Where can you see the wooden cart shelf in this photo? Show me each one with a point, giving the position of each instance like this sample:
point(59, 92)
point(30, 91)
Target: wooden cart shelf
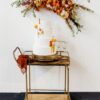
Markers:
point(48, 97)
point(62, 62)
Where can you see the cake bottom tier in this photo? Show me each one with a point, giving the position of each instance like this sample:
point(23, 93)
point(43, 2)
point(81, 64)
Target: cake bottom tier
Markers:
point(44, 51)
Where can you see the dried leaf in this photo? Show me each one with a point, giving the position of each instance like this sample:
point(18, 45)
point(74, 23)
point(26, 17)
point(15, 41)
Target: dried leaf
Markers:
point(83, 7)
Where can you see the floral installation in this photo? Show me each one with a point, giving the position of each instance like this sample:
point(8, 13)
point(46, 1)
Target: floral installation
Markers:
point(67, 9)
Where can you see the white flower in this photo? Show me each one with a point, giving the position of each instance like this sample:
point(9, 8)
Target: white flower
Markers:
point(64, 14)
point(49, 6)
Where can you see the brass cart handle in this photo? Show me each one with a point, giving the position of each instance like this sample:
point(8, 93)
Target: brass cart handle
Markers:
point(14, 53)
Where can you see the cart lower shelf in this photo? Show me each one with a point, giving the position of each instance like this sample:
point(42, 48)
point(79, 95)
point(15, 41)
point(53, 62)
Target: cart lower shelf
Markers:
point(48, 97)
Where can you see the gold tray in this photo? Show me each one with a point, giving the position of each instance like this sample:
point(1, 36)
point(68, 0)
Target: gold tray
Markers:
point(47, 58)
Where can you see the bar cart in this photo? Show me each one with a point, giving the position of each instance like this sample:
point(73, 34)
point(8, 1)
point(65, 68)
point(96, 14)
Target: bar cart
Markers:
point(63, 62)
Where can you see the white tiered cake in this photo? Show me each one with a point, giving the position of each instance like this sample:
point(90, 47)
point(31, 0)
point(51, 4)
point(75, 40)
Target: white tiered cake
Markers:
point(44, 41)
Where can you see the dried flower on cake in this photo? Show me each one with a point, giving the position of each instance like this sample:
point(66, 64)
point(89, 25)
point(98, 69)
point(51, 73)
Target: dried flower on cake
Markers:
point(40, 31)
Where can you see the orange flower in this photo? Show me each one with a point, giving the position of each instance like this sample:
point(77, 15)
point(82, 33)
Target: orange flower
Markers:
point(36, 26)
point(52, 44)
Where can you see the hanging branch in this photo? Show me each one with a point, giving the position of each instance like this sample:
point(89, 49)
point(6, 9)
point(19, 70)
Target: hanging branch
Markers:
point(88, 0)
point(25, 11)
point(83, 7)
point(78, 26)
point(18, 3)
point(70, 26)
point(33, 13)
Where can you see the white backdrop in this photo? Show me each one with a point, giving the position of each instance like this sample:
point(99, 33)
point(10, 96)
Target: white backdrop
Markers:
point(84, 50)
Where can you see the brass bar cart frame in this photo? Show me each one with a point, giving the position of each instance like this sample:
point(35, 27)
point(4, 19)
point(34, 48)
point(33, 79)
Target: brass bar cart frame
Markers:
point(64, 62)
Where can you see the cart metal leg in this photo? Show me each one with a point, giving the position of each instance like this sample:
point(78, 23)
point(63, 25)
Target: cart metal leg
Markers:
point(66, 91)
point(68, 82)
point(26, 95)
point(29, 78)
point(65, 81)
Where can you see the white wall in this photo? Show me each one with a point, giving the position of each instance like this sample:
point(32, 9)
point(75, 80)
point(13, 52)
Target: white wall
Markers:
point(84, 51)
